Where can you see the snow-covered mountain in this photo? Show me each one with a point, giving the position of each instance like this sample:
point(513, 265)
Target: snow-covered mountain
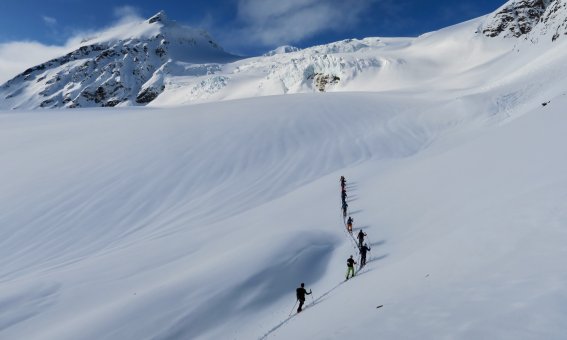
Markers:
point(160, 62)
point(125, 65)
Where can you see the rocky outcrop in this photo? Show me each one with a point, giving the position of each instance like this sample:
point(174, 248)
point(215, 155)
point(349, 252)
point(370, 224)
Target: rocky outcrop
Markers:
point(515, 18)
point(553, 23)
point(532, 20)
point(321, 80)
point(148, 94)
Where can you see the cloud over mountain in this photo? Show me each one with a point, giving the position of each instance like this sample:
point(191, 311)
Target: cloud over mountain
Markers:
point(16, 56)
point(274, 22)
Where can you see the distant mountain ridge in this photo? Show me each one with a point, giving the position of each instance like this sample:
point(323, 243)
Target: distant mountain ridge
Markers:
point(164, 63)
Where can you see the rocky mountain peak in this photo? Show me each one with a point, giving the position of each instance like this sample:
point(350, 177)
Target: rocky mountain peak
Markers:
point(158, 17)
point(126, 64)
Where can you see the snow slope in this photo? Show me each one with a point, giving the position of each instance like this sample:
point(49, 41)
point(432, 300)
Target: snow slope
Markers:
point(145, 223)
point(199, 221)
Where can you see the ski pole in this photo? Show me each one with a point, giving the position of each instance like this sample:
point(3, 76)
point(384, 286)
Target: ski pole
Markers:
point(293, 308)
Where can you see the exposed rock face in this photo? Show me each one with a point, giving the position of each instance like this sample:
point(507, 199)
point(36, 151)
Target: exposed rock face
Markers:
point(530, 19)
point(110, 71)
point(553, 23)
point(159, 17)
point(515, 18)
point(149, 94)
point(321, 80)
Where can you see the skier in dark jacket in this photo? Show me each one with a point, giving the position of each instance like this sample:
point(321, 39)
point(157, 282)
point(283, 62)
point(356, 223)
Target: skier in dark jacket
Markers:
point(343, 182)
point(345, 207)
point(363, 250)
point(360, 236)
point(350, 267)
point(349, 224)
point(343, 196)
point(301, 292)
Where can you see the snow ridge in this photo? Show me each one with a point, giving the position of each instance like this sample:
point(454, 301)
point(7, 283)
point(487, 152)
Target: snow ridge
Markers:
point(282, 50)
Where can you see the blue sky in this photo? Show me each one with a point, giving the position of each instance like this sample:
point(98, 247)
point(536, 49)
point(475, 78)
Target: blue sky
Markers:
point(55, 21)
point(246, 27)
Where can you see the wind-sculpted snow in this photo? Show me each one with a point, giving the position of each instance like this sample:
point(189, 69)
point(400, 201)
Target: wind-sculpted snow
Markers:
point(20, 304)
point(306, 257)
point(164, 224)
point(264, 138)
point(151, 221)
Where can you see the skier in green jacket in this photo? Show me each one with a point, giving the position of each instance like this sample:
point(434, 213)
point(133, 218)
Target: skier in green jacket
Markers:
point(350, 267)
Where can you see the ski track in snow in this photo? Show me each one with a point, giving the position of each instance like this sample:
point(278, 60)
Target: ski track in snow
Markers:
point(307, 306)
point(324, 295)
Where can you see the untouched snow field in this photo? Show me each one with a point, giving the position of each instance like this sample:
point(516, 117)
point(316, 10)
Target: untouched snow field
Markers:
point(199, 221)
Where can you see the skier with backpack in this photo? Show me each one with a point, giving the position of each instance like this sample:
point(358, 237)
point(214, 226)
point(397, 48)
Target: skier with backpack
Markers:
point(300, 293)
point(360, 236)
point(349, 224)
point(343, 182)
point(350, 267)
point(345, 207)
point(363, 250)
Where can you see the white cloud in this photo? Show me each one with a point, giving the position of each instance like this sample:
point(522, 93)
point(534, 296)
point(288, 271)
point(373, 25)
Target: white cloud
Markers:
point(127, 14)
point(17, 56)
point(275, 22)
point(49, 21)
